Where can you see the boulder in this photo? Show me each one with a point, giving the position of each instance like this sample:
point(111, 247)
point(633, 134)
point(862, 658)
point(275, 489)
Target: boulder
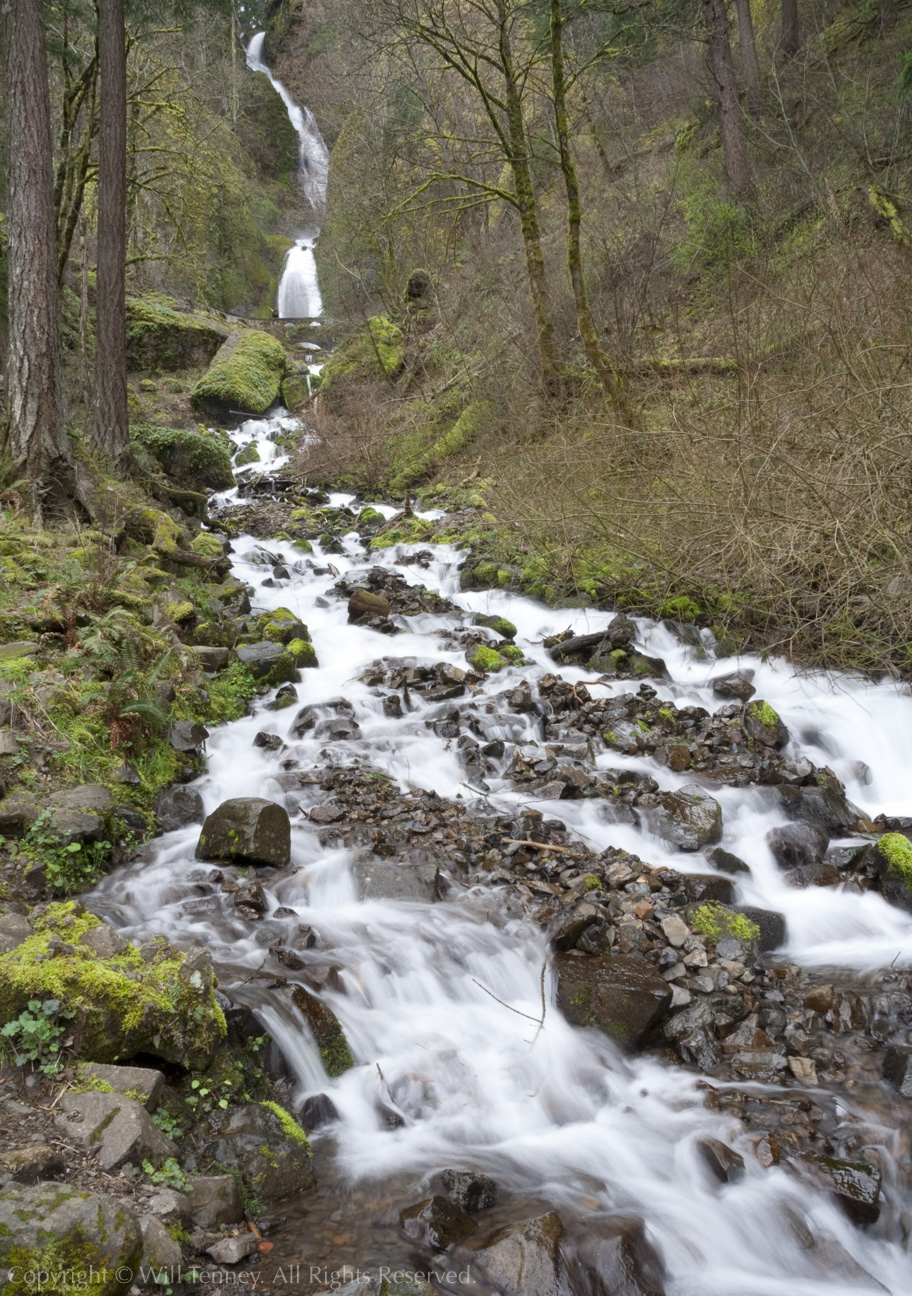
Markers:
point(797, 844)
point(500, 625)
point(762, 723)
point(14, 929)
point(310, 716)
point(176, 807)
point(245, 375)
point(726, 862)
point(211, 658)
point(214, 1200)
point(824, 805)
point(687, 818)
point(614, 1258)
point(81, 1230)
point(327, 1031)
point(364, 604)
point(161, 337)
point(318, 1110)
point(771, 924)
point(473, 1191)
point(233, 1249)
point(723, 1162)
point(270, 664)
point(140, 1083)
point(118, 1129)
point(196, 460)
point(524, 1259)
point(437, 1223)
point(889, 862)
point(897, 1068)
point(854, 1185)
point(160, 1250)
point(281, 626)
point(248, 829)
point(188, 735)
point(269, 1151)
point(735, 686)
point(623, 995)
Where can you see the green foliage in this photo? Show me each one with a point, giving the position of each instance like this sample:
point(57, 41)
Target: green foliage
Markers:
point(68, 868)
point(169, 1175)
point(230, 692)
point(681, 608)
point(485, 660)
point(377, 347)
point(716, 922)
point(198, 460)
point(38, 1034)
point(245, 375)
point(718, 230)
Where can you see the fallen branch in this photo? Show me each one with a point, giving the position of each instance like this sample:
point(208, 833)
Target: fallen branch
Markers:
point(542, 846)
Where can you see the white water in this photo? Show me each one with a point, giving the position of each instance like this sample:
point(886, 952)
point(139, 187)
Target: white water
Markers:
point(558, 1113)
point(299, 288)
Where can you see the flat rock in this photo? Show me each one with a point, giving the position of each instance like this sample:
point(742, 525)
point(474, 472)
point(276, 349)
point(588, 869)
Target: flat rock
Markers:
point(140, 1083)
point(214, 1200)
point(687, 818)
point(271, 663)
point(118, 1128)
point(211, 658)
point(384, 880)
point(232, 1250)
point(14, 929)
point(615, 1258)
point(855, 1185)
point(624, 996)
point(19, 648)
point(249, 829)
point(188, 735)
point(473, 1191)
point(524, 1259)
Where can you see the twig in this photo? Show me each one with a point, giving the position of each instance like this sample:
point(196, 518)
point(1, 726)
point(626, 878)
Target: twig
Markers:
point(252, 974)
point(542, 846)
point(538, 1021)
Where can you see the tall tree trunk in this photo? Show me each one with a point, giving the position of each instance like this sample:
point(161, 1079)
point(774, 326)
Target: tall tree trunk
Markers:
point(749, 58)
point(790, 38)
point(588, 334)
point(528, 215)
point(112, 426)
point(734, 145)
point(37, 433)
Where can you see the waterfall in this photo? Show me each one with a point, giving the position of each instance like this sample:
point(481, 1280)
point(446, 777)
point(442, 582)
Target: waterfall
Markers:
point(299, 288)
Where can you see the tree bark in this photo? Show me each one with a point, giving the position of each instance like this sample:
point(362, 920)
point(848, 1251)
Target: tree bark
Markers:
point(112, 426)
point(749, 60)
point(790, 38)
point(734, 146)
point(37, 433)
point(587, 330)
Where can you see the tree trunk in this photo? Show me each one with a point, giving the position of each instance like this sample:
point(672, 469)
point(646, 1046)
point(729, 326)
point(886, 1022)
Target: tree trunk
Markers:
point(37, 433)
point(112, 427)
point(749, 58)
point(528, 216)
point(734, 145)
point(790, 38)
point(588, 334)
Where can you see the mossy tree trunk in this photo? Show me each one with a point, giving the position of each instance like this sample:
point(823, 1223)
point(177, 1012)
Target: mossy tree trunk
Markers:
point(112, 426)
point(734, 145)
point(37, 433)
point(588, 335)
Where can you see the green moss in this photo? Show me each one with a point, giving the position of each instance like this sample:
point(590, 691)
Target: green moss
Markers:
point(162, 337)
point(510, 652)
point(179, 611)
point(591, 882)
point(897, 851)
point(245, 375)
point(290, 1127)
point(304, 653)
point(125, 1004)
point(764, 714)
point(197, 460)
point(484, 659)
point(281, 626)
point(207, 545)
point(379, 346)
point(406, 531)
point(716, 922)
point(250, 454)
point(500, 625)
point(230, 692)
point(680, 609)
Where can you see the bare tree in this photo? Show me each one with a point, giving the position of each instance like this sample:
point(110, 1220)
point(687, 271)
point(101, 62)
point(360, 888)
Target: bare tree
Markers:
point(790, 38)
point(37, 433)
point(749, 60)
point(734, 145)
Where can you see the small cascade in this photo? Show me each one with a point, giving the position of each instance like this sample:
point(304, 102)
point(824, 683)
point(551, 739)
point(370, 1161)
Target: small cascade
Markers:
point(299, 287)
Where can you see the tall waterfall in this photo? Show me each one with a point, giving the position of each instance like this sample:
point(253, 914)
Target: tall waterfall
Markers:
point(299, 288)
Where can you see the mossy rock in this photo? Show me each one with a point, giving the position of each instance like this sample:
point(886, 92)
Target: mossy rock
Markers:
point(207, 545)
point(500, 625)
point(152, 1000)
point(161, 337)
point(281, 626)
point(244, 377)
point(198, 461)
point(378, 347)
point(249, 455)
point(304, 653)
point(295, 391)
point(484, 659)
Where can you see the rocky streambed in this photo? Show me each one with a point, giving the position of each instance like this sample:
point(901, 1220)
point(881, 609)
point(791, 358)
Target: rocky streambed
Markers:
point(581, 956)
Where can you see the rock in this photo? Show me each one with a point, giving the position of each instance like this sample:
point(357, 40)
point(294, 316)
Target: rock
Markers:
point(318, 1110)
point(473, 1192)
point(384, 880)
point(9, 743)
point(570, 927)
point(211, 659)
point(364, 603)
point(88, 1231)
point(736, 686)
point(796, 844)
point(188, 736)
point(214, 1201)
point(141, 1083)
point(726, 862)
point(762, 723)
point(285, 697)
point(19, 648)
point(326, 814)
point(676, 930)
point(615, 1258)
point(437, 1222)
point(269, 663)
point(245, 375)
point(328, 1034)
point(117, 1128)
point(160, 1251)
point(889, 862)
point(897, 1068)
point(804, 1070)
point(271, 1154)
point(309, 717)
point(687, 818)
point(500, 625)
point(164, 339)
point(179, 806)
point(771, 924)
point(232, 1250)
point(524, 1259)
point(14, 929)
point(248, 829)
point(104, 941)
point(721, 1160)
point(170, 1206)
point(35, 1161)
point(855, 1185)
point(622, 995)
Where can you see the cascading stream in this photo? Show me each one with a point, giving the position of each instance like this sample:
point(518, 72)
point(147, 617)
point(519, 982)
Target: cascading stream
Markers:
point(557, 1112)
point(299, 288)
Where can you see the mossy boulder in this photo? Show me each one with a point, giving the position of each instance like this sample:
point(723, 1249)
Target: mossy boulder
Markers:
point(207, 545)
point(53, 1236)
point(622, 995)
point(264, 1145)
point(304, 653)
point(484, 659)
point(328, 1034)
point(889, 862)
point(198, 460)
point(161, 337)
point(150, 999)
point(249, 455)
point(295, 390)
point(378, 347)
point(244, 377)
point(500, 625)
point(270, 664)
point(250, 830)
point(281, 626)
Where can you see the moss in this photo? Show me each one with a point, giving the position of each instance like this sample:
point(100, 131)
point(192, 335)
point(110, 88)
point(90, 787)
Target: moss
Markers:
point(290, 1127)
point(245, 375)
point(304, 653)
point(124, 1004)
point(249, 455)
point(897, 851)
point(198, 460)
point(406, 531)
point(716, 922)
point(281, 626)
point(207, 545)
point(591, 882)
point(379, 346)
point(680, 609)
point(500, 625)
point(484, 659)
point(510, 652)
point(161, 337)
point(764, 714)
point(179, 610)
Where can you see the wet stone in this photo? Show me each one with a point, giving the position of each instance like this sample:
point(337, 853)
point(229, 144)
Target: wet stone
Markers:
point(615, 1258)
point(249, 829)
point(473, 1192)
point(177, 807)
point(437, 1222)
point(721, 1160)
point(623, 995)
